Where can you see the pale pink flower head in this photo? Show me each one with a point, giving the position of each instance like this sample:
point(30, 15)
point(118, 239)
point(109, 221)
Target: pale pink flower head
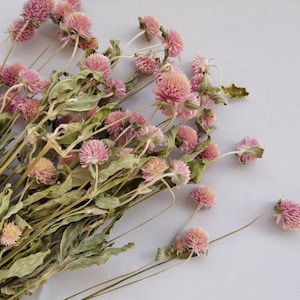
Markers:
point(115, 122)
point(29, 109)
point(69, 159)
point(208, 117)
point(93, 152)
point(249, 149)
point(37, 11)
point(154, 169)
point(21, 31)
point(287, 214)
point(146, 64)
point(200, 64)
point(181, 172)
point(32, 81)
point(151, 27)
point(153, 136)
point(78, 24)
point(98, 62)
point(124, 151)
point(184, 109)
point(137, 119)
point(197, 240)
point(11, 234)
point(211, 152)
point(174, 43)
point(195, 81)
point(186, 138)
point(88, 44)
point(43, 171)
point(173, 87)
point(62, 9)
point(180, 245)
point(117, 87)
point(12, 102)
point(204, 196)
point(75, 3)
point(9, 74)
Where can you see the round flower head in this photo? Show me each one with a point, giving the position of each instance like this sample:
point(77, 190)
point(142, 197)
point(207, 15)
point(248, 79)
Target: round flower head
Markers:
point(114, 122)
point(29, 109)
point(181, 172)
point(9, 74)
point(37, 11)
point(62, 9)
point(208, 117)
point(180, 245)
point(93, 152)
point(187, 138)
point(174, 43)
point(150, 25)
point(287, 214)
point(204, 196)
point(32, 81)
point(211, 152)
point(152, 134)
point(154, 169)
point(98, 62)
point(11, 233)
point(75, 3)
point(195, 81)
point(200, 64)
point(249, 149)
point(21, 31)
point(44, 171)
point(88, 44)
point(115, 86)
point(146, 64)
point(197, 240)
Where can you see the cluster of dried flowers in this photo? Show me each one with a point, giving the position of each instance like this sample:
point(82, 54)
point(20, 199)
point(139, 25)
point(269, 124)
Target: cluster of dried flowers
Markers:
point(84, 157)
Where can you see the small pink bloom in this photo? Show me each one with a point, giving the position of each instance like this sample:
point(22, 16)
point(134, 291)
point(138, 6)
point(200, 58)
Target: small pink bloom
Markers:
point(287, 214)
point(184, 111)
point(37, 11)
point(146, 64)
point(187, 138)
point(117, 87)
point(98, 62)
point(208, 117)
point(150, 25)
point(11, 233)
point(204, 196)
point(68, 160)
point(88, 44)
point(75, 3)
point(114, 122)
point(200, 64)
point(174, 44)
point(180, 245)
point(195, 81)
point(21, 31)
point(12, 102)
point(93, 152)
point(9, 74)
point(197, 240)
point(62, 9)
point(211, 152)
point(29, 109)
point(32, 81)
point(137, 119)
point(154, 169)
point(124, 151)
point(44, 171)
point(181, 172)
point(152, 134)
point(249, 150)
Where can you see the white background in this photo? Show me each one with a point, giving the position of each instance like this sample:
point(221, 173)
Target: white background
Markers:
point(256, 43)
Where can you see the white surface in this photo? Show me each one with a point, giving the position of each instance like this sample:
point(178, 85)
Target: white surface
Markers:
point(257, 45)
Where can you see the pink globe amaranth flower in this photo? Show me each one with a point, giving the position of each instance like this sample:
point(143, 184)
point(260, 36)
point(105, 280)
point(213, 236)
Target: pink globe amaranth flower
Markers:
point(75, 3)
point(180, 245)
point(249, 149)
point(37, 11)
point(287, 214)
point(204, 196)
point(150, 25)
point(43, 171)
point(153, 135)
point(12, 101)
point(32, 81)
point(154, 169)
point(137, 119)
point(11, 234)
point(21, 30)
point(115, 122)
point(181, 172)
point(62, 9)
point(174, 43)
point(200, 64)
point(124, 151)
point(117, 87)
point(98, 62)
point(187, 138)
point(9, 74)
point(197, 240)
point(146, 64)
point(211, 152)
point(88, 44)
point(78, 23)
point(173, 87)
point(195, 81)
point(184, 111)
point(93, 152)
point(29, 109)
point(68, 160)
point(208, 117)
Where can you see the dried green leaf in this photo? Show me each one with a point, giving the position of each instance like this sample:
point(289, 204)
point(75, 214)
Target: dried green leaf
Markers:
point(5, 196)
point(197, 168)
point(107, 202)
point(234, 91)
point(166, 253)
point(80, 176)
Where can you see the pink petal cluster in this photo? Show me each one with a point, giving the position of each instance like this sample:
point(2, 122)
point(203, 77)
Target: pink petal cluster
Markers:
point(200, 64)
point(137, 119)
point(186, 138)
point(150, 25)
point(21, 30)
point(249, 149)
point(62, 9)
point(204, 196)
point(75, 3)
point(92, 152)
point(152, 134)
point(287, 214)
point(146, 64)
point(114, 122)
point(11, 233)
point(174, 43)
point(98, 62)
point(29, 109)
point(43, 171)
point(32, 81)
point(117, 87)
point(195, 81)
point(154, 169)
point(208, 117)
point(211, 152)
point(37, 11)
point(9, 74)
point(197, 240)
point(181, 172)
